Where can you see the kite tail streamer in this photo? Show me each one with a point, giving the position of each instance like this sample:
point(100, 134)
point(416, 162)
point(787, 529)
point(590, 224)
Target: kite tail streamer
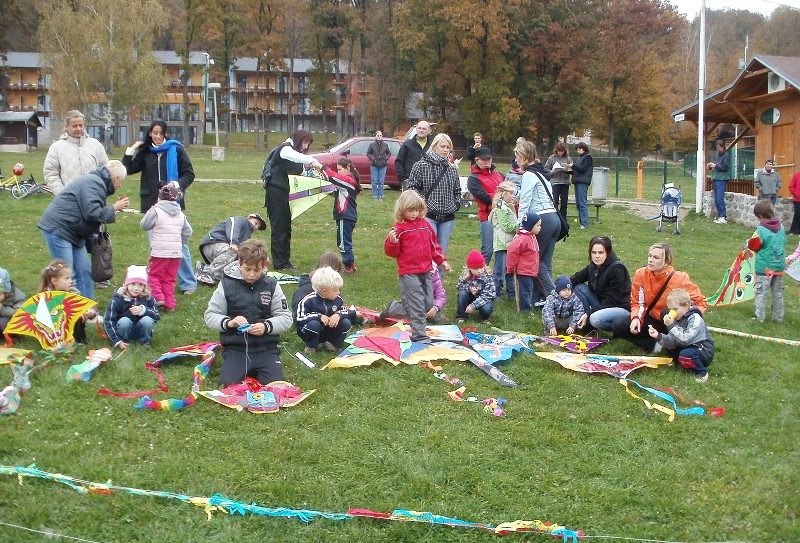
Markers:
point(664, 396)
point(219, 503)
point(792, 342)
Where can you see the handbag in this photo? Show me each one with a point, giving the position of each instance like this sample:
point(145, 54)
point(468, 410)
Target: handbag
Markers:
point(563, 233)
point(102, 264)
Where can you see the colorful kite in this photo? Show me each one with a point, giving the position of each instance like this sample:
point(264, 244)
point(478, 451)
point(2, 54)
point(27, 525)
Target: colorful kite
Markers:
point(670, 412)
point(284, 278)
point(497, 348)
point(306, 191)
point(257, 398)
point(83, 371)
point(479, 362)
point(50, 317)
point(10, 396)
point(738, 282)
point(616, 366)
point(793, 270)
point(203, 350)
point(218, 503)
point(574, 343)
point(392, 344)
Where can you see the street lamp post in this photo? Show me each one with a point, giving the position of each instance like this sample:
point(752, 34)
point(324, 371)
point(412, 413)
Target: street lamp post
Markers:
point(217, 152)
point(209, 62)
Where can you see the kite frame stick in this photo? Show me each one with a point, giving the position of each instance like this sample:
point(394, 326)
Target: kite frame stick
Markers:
point(792, 342)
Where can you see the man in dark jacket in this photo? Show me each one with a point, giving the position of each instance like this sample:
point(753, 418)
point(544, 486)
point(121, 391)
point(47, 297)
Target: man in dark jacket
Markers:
point(221, 244)
point(411, 151)
point(77, 213)
point(378, 155)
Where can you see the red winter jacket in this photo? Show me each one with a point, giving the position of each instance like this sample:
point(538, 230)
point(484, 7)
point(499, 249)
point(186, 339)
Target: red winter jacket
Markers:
point(522, 255)
point(416, 247)
point(482, 184)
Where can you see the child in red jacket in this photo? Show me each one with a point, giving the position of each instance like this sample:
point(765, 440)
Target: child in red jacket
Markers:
point(522, 260)
point(413, 243)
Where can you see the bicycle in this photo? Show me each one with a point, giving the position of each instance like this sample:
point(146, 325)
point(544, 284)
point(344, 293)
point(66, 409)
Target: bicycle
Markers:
point(22, 188)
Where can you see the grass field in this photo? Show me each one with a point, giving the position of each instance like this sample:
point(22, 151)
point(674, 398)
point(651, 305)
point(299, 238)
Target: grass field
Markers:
point(574, 449)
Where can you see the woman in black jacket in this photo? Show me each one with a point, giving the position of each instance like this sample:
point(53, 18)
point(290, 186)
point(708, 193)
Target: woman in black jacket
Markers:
point(582, 171)
point(162, 162)
point(604, 286)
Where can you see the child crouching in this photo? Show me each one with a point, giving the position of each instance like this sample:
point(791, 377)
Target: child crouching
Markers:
point(562, 309)
point(247, 296)
point(322, 318)
point(475, 289)
point(688, 339)
point(132, 312)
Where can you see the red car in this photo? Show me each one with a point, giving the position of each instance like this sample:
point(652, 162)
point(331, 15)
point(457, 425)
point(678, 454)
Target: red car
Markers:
point(356, 150)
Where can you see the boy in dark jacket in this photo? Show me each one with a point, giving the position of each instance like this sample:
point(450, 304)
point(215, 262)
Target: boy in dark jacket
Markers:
point(322, 317)
point(250, 312)
point(221, 243)
point(688, 339)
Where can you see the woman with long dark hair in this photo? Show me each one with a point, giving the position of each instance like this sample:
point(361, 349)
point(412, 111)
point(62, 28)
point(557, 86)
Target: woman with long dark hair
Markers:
point(163, 161)
point(289, 159)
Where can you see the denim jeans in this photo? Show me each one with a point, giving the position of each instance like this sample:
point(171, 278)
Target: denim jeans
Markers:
point(525, 292)
point(465, 297)
point(487, 241)
point(378, 177)
point(443, 231)
point(602, 319)
point(140, 331)
point(547, 238)
point(719, 197)
point(560, 197)
point(76, 257)
point(499, 274)
point(581, 202)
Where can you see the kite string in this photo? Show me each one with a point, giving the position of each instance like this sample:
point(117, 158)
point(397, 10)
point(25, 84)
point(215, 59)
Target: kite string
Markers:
point(46, 533)
point(621, 538)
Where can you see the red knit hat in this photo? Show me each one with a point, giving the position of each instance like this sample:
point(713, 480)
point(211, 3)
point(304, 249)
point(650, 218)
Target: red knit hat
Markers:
point(475, 260)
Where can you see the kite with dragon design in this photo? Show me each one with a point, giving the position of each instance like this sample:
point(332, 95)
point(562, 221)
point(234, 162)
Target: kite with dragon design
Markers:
point(50, 317)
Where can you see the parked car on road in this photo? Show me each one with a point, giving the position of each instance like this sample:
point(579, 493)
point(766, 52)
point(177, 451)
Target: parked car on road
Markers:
point(356, 150)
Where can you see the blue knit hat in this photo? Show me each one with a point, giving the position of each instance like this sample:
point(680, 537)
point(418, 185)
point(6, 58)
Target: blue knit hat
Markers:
point(5, 281)
point(562, 282)
point(529, 220)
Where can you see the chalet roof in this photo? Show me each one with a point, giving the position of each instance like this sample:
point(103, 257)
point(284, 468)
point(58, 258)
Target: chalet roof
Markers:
point(301, 65)
point(19, 117)
point(21, 60)
point(196, 58)
point(737, 102)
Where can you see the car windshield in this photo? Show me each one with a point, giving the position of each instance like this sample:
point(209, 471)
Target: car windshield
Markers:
point(339, 147)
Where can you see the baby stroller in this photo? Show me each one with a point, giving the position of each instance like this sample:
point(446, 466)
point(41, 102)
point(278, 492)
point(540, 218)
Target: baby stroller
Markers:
point(670, 208)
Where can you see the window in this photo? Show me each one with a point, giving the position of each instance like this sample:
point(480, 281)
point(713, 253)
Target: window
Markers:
point(302, 84)
point(303, 106)
point(283, 84)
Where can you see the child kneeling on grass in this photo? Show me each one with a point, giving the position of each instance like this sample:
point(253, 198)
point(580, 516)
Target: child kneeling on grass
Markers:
point(322, 317)
point(475, 289)
point(11, 298)
point(562, 309)
point(687, 339)
point(247, 296)
point(132, 312)
point(219, 247)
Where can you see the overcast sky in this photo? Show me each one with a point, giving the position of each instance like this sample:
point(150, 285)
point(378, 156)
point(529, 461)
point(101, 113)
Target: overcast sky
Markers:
point(690, 8)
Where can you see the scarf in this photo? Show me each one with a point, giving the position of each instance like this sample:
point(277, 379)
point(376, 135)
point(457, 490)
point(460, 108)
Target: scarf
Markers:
point(171, 147)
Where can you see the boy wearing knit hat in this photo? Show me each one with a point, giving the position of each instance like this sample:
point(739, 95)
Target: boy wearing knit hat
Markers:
point(132, 312)
point(522, 260)
point(562, 309)
point(475, 289)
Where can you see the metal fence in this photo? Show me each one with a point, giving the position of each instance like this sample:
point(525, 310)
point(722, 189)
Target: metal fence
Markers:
point(623, 178)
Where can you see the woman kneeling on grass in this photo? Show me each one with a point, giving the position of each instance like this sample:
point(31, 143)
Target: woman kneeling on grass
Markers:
point(651, 286)
point(604, 286)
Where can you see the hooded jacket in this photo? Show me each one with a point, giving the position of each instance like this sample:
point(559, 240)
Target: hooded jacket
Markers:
point(610, 282)
point(482, 184)
point(79, 210)
point(120, 306)
point(770, 246)
point(417, 246)
point(522, 256)
point(171, 229)
point(233, 231)
point(689, 331)
point(71, 157)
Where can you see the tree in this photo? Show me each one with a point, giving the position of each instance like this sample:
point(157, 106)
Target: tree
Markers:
point(194, 16)
point(628, 83)
point(96, 56)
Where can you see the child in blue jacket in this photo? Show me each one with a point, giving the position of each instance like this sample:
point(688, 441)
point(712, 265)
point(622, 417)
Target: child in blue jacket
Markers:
point(132, 312)
point(322, 318)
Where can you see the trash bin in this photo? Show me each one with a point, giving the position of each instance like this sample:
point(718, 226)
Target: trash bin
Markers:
point(600, 183)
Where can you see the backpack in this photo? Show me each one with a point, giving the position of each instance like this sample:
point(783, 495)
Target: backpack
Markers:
point(266, 172)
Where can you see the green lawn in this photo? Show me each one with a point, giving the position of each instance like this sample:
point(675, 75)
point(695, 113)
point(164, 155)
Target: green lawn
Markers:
point(574, 449)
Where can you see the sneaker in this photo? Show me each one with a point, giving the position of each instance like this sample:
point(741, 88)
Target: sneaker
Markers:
point(330, 347)
point(487, 321)
point(189, 291)
point(540, 303)
point(349, 269)
point(159, 303)
point(198, 267)
point(204, 279)
point(102, 284)
point(288, 268)
point(461, 321)
point(702, 379)
point(720, 220)
point(309, 350)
